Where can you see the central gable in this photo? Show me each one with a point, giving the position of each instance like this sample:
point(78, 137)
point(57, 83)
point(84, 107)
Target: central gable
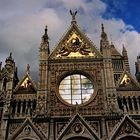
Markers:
point(75, 44)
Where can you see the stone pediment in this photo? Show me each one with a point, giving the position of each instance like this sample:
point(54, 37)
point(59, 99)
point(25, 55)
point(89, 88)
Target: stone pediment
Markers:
point(127, 127)
point(75, 44)
point(27, 131)
point(26, 85)
point(127, 83)
point(77, 127)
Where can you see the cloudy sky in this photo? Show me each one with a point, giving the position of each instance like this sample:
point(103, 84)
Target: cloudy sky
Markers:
point(22, 24)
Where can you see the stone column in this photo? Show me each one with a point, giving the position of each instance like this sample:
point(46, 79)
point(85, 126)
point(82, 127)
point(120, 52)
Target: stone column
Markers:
point(26, 107)
point(129, 109)
point(104, 130)
point(51, 129)
point(21, 108)
point(138, 104)
point(133, 106)
point(31, 108)
point(16, 108)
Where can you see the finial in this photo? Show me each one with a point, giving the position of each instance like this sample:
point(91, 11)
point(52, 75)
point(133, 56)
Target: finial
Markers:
point(103, 34)
point(124, 49)
point(0, 65)
point(45, 36)
point(46, 29)
point(11, 54)
point(102, 27)
point(9, 58)
point(73, 14)
point(28, 69)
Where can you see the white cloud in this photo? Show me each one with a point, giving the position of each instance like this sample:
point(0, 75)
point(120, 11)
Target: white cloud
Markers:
point(22, 25)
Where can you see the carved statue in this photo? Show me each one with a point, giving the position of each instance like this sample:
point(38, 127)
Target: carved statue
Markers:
point(73, 14)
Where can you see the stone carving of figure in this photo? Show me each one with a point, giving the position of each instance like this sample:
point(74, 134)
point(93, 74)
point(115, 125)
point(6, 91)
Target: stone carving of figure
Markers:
point(73, 14)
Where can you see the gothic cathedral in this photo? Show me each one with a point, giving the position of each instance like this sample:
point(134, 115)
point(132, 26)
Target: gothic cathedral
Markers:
point(82, 94)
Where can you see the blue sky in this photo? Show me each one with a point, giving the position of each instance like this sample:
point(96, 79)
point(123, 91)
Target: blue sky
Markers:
point(22, 24)
point(127, 10)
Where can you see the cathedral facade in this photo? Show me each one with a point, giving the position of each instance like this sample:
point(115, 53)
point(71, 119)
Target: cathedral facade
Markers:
point(83, 93)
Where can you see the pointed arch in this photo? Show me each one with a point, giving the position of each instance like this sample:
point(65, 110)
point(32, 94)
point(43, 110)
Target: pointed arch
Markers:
point(26, 129)
point(79, 138)
point(129, 137)
point(4, 84)
point(27, 138)
point(75, 134)
point(127, 127)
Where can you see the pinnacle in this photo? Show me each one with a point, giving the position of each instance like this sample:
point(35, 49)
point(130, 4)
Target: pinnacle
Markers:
point(10, 58)
point(124, 49)
point(28, 69)
point(102, 27)
point(45, 36)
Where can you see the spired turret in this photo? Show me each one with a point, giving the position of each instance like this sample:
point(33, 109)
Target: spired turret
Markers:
point(125, 56)
point(8, 73)
point(9, 63)
point(43, 72)
point(104, 43)
point(103, 34)
point(137, 74)
point(45, 42)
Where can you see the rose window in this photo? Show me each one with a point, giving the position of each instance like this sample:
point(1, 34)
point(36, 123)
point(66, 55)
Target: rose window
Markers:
point(76, 89)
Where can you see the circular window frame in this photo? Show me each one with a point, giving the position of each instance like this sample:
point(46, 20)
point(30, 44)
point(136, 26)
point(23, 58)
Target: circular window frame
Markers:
point(89, 76)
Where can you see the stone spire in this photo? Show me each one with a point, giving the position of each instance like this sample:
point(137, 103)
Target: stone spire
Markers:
point(124, 51)
point(28, 69)
point(9, 59)
point(9, 62)
point(73, 15)
point(45, 40)
point(104, 43)
point(103, 34)
point(0, 65)
point(137, 64)
point(45, 36)
point(125, 56)
point(43, 73)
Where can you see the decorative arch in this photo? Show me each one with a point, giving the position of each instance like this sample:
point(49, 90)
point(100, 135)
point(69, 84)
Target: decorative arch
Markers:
point(129, 137)
point(127, 128)
point(66, 73)
point(70, 133)
point(4, 83)
point(27, 138)
point(26, 130)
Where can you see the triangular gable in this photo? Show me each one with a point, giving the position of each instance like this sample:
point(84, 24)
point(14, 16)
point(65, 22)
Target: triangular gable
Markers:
point(126, 127)
point(77, 126)
point(2, 96)
point(26, 130)
point(26, 84)
point(114, 52)
point(75, 44)
point(127, 83)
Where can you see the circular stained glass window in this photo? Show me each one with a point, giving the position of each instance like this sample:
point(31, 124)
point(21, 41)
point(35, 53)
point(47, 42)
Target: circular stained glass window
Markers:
point(76, 89)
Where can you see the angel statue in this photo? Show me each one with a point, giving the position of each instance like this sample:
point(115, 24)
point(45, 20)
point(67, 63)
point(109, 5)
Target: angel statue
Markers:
point(73, 14)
